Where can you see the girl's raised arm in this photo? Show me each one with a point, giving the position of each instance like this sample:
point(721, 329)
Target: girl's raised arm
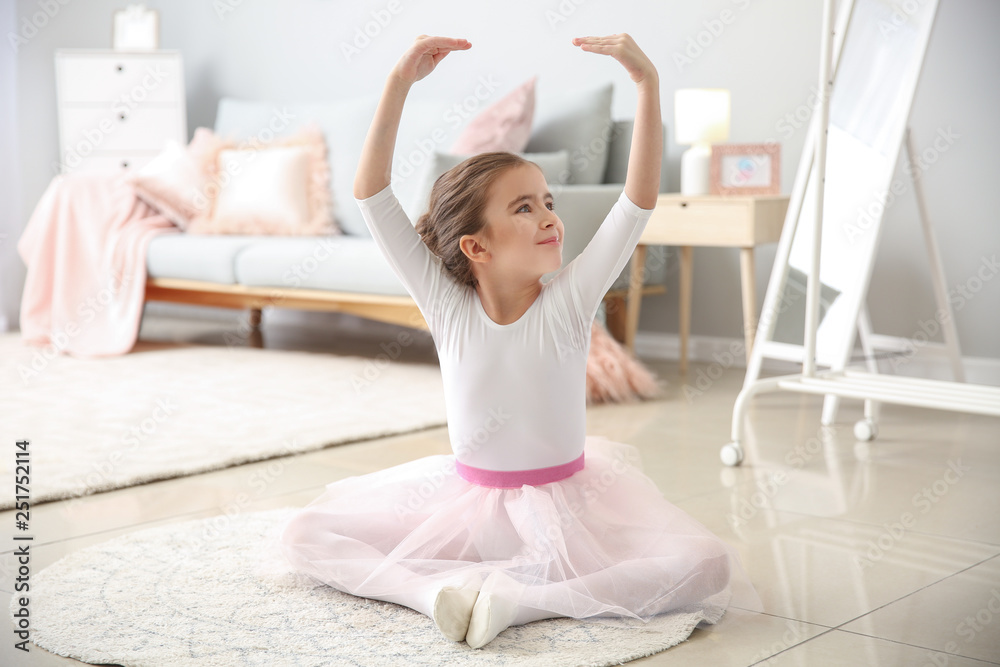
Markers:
point(375, 166)
point(642, 182)
point(595, 269)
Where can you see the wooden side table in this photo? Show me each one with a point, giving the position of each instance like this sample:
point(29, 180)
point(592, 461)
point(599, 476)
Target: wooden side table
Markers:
point(742, 222)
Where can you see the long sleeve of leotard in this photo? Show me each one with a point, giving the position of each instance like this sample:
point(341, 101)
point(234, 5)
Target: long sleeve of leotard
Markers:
point(595, 269)
point(420, 270)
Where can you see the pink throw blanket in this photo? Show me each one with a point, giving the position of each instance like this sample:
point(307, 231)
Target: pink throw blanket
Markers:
point(85, 249)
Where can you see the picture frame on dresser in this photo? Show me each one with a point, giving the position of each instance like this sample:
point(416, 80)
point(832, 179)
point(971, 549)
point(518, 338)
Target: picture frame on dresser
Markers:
point(135, 28)
point(745, 169)
point(117, 109)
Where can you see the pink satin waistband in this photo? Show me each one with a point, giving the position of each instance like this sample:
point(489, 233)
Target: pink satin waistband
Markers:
point(512, 479)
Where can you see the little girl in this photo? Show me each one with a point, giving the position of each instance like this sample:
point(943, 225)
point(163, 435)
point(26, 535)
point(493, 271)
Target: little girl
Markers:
point(530, 518)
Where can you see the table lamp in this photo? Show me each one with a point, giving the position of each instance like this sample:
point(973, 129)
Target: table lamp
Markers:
point(701, 118)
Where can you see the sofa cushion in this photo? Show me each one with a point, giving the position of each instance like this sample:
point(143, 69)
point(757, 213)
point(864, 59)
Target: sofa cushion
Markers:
point(344, 125)
point(579, 122)
point(337, 263)
point(619, 147)
point(428, 124)
point(278, 187)
point(208, 257)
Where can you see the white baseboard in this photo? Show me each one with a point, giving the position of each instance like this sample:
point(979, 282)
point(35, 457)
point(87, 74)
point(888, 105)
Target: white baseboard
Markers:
point(728, 353)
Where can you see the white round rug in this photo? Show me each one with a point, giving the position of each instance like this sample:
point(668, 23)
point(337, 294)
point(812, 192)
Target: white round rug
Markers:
point(215, 592)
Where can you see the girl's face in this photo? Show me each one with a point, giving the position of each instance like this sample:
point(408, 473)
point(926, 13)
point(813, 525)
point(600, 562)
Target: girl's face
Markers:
point(523, 233)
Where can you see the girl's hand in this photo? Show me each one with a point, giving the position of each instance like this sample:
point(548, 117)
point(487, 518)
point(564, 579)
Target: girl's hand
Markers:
point(426, 52)
point(622, 48)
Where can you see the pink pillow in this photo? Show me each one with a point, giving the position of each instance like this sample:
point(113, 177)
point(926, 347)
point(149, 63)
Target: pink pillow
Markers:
point(503, 126)
point(281, 187)
point(173, 182)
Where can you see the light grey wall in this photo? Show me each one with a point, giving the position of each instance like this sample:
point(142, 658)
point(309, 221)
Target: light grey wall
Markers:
point(767, 54)
point(11, 273)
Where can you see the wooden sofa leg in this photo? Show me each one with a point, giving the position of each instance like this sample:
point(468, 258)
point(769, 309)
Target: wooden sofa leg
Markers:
point(256, 338)
point(614, 308)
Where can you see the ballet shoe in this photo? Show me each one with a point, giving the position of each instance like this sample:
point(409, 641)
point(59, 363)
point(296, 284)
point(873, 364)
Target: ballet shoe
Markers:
point(491, 615)
point(453, 610)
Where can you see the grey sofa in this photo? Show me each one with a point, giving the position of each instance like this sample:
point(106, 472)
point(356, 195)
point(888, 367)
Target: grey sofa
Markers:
point(346, 272)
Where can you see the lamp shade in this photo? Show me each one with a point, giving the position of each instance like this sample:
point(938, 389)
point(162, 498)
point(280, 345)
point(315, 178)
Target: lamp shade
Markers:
point(701, 115)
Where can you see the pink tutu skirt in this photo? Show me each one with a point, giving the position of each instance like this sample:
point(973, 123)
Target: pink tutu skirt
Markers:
point(602, 542)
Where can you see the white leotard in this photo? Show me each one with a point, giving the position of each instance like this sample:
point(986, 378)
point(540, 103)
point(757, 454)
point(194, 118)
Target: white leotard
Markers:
point(514, 394)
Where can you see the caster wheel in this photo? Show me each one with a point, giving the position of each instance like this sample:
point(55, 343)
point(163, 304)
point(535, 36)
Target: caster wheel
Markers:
point(731, 454)
point(865, 430)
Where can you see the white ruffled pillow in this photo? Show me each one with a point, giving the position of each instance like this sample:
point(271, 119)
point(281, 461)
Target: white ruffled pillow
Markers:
point(266, 194)
point(282, 187)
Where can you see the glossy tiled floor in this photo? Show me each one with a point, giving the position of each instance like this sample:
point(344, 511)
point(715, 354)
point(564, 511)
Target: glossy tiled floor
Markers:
point(886, 553)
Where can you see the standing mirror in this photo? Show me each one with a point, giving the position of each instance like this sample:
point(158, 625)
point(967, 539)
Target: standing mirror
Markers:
point(875, 78)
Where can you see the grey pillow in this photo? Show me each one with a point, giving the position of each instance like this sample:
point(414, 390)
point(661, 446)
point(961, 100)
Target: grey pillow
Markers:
point(553, 165)
point(579, 122)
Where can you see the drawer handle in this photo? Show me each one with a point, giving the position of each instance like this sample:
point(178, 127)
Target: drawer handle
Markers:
point(122, 116)
point(684, 204)
point(124, 164)
point(120, 68)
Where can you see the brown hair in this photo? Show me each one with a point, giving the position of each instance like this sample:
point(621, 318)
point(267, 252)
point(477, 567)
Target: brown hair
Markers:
point(456, 207)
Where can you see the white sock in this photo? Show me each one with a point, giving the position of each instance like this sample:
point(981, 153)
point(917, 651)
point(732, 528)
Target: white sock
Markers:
point(453, 610)
point(491, 615)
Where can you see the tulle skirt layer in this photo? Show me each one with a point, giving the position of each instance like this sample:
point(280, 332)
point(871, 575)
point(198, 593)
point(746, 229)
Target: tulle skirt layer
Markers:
point(602, 542)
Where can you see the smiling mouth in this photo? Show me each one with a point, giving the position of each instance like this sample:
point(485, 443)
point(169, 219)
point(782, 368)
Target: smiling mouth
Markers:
point(552, 241)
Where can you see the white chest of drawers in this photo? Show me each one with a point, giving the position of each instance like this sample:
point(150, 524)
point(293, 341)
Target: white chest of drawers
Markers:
point(118, 109)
